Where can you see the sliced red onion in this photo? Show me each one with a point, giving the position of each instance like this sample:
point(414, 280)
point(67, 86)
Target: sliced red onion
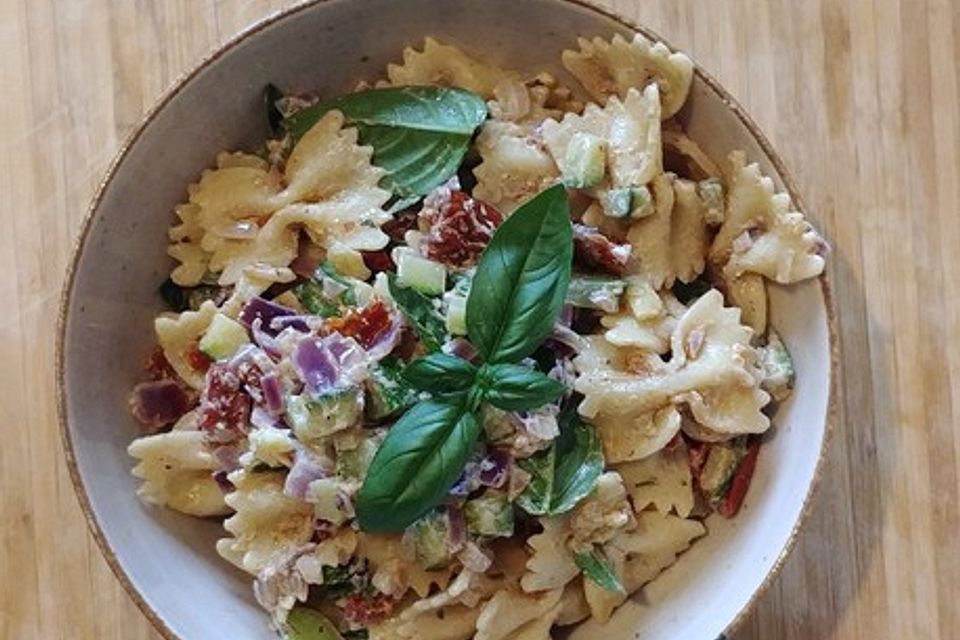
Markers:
point(158, 403)
point(456, 530)
point(460, 348)
point(468, 482)
point(315, 364)
point(266, 341)
point(350, 356)
point(473, 558)
point(297, 322)
point(272, 394)
point(566, 316)
point(493, 469)
point(567, 337)
point(306, 468)
point(258, 308)
point(262, 419)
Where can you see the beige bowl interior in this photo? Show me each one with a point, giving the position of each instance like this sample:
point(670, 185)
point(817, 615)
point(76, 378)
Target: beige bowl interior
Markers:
point(168, 561)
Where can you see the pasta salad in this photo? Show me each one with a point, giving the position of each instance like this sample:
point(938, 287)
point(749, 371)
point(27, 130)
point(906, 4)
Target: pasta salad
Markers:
point(466, 352)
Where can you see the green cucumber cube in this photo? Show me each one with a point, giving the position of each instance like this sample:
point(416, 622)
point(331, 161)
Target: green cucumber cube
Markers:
point(313, 418)
point(223, 337)
point(489, 515)
point(426, 276)
point(585, 161)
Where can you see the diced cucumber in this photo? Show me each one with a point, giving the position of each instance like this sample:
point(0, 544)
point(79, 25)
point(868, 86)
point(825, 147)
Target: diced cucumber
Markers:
point(418, 273)
point(596, 292)
point(489, 515)
point(628, 202)
point(304, 623)
point(353, 463)
point(778, 371)
point(223, 337)
point(584, 161)
point(312, 418)
point(428, 538)
point(386, 391)
point(326, 292)
point(455, 316)
point(723, 458)
point(327, 497)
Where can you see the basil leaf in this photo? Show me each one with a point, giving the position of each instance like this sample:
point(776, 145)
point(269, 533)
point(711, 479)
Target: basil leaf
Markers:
point(421, 313)
point(565, 473)
point(304, 623)
point(519, 286)
point(440, 372)
point(597, 567)
point(421, 458)
point(516, 388)
point(419, 134)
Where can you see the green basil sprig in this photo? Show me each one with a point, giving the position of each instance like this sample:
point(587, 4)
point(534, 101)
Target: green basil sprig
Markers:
point(596, 566)
point(521, 280)
point(566, 472)
point(420, 135)
point(420, 459)
point(523, 276)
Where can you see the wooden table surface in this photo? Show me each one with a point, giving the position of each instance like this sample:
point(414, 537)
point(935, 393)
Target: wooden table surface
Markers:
point(859, 96)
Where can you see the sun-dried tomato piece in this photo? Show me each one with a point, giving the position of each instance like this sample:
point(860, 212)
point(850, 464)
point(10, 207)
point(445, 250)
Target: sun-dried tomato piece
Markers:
point(158, 367)
point(378, 261)
point(594, 251)
point(460, 227)
point(224, 405)
point(401, 222)
point(368, 325)
point(198, 359)
point(365, 609)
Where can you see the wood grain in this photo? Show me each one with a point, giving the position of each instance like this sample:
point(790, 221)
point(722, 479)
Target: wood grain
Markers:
point(859, 96)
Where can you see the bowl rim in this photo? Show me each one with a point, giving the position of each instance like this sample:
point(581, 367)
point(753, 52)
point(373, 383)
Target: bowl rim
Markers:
point(211, 56)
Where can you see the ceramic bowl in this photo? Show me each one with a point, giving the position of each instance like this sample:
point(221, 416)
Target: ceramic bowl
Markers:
point(166, 561)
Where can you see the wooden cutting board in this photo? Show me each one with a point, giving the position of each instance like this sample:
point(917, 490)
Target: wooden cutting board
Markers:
point(860, 97)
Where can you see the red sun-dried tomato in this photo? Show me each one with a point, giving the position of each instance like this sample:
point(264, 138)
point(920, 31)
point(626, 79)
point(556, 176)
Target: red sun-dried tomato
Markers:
point(596, 252)
point(364, 609)
point(378, 261)
point(740, 482)
point(158, 367)
point(197, 359)
point(224, 405)
point(367, 325)
point(460, 227)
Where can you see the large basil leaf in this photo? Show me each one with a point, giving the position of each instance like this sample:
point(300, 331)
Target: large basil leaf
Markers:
point(596, 566)
point(512, 387)
point(565, 473)
point(440, 372)
point(421, 313)
point(521, 281)
point(304, 623)
point(421, 458)
point(419, 134)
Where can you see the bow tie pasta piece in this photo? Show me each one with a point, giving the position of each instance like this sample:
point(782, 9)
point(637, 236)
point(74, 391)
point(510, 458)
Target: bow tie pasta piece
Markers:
point(672, 243)
point(510, 609)
point(617, 146)
point(468, 589)
point(382, 549)
point(250, 220)
point(177, 335)
point(268, 525)
point(682, 155)
point(713, 368)
point(761, 233)
point(514, 165)
point(654, 545)
point(447, 66)
point(646, 321)
point(612, 68)
point(603, 514)
point(551, 564)
point(662, 480)
point(533, 101)
point(573, 604)
point(177, 471)
point(450, 623)
point(634, 437)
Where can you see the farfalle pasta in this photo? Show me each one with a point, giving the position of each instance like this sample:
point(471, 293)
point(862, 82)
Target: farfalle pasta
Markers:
point(314, 279)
